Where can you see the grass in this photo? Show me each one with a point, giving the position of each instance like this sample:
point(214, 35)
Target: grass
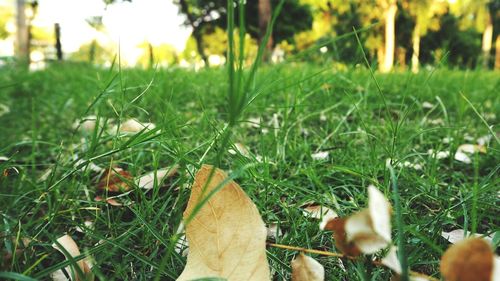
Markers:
point(303, 109)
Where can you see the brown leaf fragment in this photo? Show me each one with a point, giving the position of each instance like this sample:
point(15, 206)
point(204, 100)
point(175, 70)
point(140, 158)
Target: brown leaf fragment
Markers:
point(337, 225)
point(471, 259)
point(227, 236)
point(115, 180)
point(305, 268)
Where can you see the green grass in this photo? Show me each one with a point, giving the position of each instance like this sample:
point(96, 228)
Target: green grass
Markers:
point(317, 109)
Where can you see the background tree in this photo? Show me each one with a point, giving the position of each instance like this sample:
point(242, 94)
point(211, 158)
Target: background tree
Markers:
point(5, 15)
point(425, 14)
point(204, 15)
point(389, 8)
point(163, 55)
point(476, 14)
point(22, 33)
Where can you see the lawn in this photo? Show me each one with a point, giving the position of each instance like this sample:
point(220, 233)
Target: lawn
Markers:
point(313, 135)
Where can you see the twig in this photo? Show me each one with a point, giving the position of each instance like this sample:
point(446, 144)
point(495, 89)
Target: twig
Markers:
point(339, 255)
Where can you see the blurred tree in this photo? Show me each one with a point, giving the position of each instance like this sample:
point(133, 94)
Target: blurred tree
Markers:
point(96, 23)
point(163, 55)
point(203, 15)
point(264, 16)
point(425, 14)
point(477, 14)
point(389, 10)
point(462, 46)
point(215, 43)
point(22, 33)
point(6, 14)
point(93, 52)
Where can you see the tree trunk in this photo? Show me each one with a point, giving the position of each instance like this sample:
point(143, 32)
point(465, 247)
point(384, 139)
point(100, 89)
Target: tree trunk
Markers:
point(390, 36)
point(264, 20)
point(92, 51)
point(151, 56)
point(487, 41)
point(497, 53)
point(416, 48)
point(57, 31)
point(199, 45)
point(22, 40)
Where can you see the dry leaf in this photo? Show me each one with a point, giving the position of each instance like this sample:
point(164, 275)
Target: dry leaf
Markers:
point(110, 201)
point(147, 181)
point(227, 237)
point(438, 121)
point(88, 224)
point(4, 109)
point(458, 235)
point(484, 140)
point(132, 126)
point(240, 149)
point(86, 124)
point(471, 259)
point(438, 154)
point(462, 157)
point(370, 229)
point(427, 105)
point(273, 231)
point(115, 180)
point(322, 155)
point(320, 212)
point(91, 166)
point(68, 244)
point(253, 122)
point(391, 260)
point(181, 245)
point(464, 150)
point(305, 268)
point(471, 148)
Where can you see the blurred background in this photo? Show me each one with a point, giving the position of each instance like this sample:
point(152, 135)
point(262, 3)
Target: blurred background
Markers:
point(395, 34)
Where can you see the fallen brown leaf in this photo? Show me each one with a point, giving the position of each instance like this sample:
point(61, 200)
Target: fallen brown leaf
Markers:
point(305, 268)
point(227, 237)
point(115, 180)
point(469, 260)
